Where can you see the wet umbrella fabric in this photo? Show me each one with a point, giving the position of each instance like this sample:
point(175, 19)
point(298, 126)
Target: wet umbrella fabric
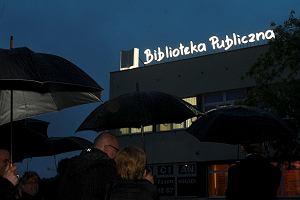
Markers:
point(138, 109)
point(53, 146)
point(28, 134)
point(239, 125)
point(31, 140)
point(41, 83)
point(65, 144)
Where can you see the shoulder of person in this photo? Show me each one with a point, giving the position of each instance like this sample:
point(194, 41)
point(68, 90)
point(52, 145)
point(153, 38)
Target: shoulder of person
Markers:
point(147, 186)
point(136, 189)
point(87, 161)
point(5, 184)
point(7, 189)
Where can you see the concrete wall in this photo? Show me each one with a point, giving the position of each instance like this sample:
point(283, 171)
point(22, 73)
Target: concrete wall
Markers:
point(190, 77)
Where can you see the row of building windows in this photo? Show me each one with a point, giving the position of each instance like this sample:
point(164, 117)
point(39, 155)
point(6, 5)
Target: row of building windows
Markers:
point(203, 102)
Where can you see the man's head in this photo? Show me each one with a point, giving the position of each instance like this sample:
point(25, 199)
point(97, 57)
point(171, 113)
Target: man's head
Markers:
point(4, 160)
point(107, 143)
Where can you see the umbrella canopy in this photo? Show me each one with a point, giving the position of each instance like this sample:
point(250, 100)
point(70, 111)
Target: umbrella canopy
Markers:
point(239, 125)
point(31, 140)
point(41, 83)
point(65, 144)
point(28, 134)
point(52, 146)
point(138, 109)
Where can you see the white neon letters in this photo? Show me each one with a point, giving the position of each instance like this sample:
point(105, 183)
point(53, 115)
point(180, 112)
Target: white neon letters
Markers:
point(169, 52)
point(215, 43)
point(236, 39)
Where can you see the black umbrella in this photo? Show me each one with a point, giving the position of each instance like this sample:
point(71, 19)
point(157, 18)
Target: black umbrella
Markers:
point(28, 134)
point(31, 140)
point(66, 144)
point(41, 83)
point(52, 146)
point(35, 83)
point(57, 145)
point(239, 125)
point(138, 109)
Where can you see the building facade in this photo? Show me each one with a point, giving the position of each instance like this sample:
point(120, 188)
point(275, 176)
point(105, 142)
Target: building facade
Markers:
point(184, 166)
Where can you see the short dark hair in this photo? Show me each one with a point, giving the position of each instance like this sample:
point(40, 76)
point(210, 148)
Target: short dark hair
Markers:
point(101, 135)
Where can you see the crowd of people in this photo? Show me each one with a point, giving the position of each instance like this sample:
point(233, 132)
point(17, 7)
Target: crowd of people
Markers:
point(106, 172)
point(103, 172)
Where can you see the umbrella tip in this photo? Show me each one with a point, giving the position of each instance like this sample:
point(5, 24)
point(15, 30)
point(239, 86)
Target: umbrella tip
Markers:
point(11, 42)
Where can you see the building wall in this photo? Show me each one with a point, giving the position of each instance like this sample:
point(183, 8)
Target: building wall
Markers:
point(190, 77)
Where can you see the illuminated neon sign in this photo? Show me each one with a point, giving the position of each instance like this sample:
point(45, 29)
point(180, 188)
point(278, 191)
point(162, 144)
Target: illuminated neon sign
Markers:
point(214, 42)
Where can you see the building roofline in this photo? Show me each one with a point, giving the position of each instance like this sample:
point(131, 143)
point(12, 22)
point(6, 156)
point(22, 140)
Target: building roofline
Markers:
point(191, 58)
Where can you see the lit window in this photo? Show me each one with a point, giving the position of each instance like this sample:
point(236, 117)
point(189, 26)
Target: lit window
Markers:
point(217, 179)
point(164, 127)
point(179, 126)
point(191, 100)
point(146, 129)
point(124, 131)
point(135, 130)
point(290, 180)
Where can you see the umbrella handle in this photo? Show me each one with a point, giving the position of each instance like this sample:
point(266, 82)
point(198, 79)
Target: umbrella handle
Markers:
point(143, 138)
point(11, 124)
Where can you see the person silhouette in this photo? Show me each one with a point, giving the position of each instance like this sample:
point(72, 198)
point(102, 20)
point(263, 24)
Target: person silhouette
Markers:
point(254, 177)
point(8, 175)
point(136, 182)
point(87, 176)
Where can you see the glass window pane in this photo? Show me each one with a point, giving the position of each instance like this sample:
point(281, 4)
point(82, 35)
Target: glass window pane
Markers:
point(148, 129)
point(164, 127)
point(135, 130)
point(191, 100)
point(217, 179)
point(179, 126)
point(235, 94)
point(290, 180)
point(124, 131)
point(213, 97)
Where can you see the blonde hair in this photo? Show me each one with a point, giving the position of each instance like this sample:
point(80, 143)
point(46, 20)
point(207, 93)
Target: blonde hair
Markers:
point(130, 163)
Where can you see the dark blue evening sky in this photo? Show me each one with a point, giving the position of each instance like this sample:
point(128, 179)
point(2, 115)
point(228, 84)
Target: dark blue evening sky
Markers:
point(92, 33)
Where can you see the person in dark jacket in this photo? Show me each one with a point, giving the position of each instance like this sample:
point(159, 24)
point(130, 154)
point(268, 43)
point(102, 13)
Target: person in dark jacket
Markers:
point(50, 186)
point(8, 176)
point(88, 175)
point(135, 181)
point(253, 178)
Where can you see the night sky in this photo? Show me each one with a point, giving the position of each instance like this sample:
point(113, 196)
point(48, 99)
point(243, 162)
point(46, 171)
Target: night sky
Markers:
point(92, 33)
